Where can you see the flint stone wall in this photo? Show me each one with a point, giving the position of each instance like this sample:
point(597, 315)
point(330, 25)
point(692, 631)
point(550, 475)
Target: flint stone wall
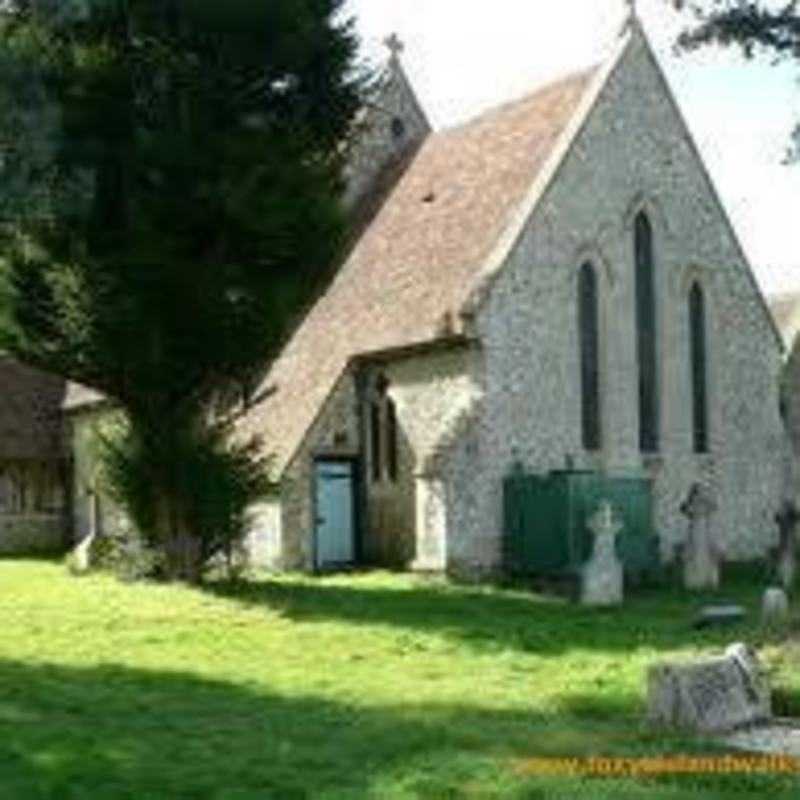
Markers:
point(632, 154)
point(409, 518)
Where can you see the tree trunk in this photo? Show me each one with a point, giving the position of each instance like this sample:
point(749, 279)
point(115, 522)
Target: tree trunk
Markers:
point(184, 558)
point(182, 551)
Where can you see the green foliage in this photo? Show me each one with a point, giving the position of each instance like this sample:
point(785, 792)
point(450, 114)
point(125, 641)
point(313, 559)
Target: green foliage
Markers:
point(745, 23)
point(126, 555)
point(191, 191)
point(195, 478)
point(171, 202)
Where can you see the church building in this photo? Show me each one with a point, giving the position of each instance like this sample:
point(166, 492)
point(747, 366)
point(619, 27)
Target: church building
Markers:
point(552, 284)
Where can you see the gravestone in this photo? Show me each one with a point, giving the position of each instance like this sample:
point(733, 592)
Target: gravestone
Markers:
point(702, 554)
point(715, 695)
point(775, 605)
point(785, 557)
point(601, 577)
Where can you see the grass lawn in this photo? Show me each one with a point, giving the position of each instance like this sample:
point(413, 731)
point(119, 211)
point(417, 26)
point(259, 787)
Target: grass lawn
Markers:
point(376, 685)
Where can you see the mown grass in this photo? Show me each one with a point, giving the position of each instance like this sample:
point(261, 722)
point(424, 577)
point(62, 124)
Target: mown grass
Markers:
point(375, 685)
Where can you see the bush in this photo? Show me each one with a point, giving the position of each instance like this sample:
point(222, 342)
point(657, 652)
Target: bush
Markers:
point(126, 555)
point(188, 491)
point(122, 553)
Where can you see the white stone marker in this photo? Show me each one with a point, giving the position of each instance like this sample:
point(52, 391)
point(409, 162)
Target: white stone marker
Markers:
point(775, 605)
point(601, 578)
point(702, 555)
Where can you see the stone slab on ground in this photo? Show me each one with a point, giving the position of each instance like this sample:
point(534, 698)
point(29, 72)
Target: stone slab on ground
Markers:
point(713, 695)
point(779, 737)
point(719, 614)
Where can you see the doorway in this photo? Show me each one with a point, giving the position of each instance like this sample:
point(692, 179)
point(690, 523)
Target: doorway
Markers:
point(335, 506)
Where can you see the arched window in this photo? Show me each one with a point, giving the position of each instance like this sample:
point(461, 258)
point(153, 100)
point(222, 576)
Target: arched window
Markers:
point(375, 439)
point(391, 439)
point(697, 335)
point(589, 329)
point(383, 433)
point(646, 345)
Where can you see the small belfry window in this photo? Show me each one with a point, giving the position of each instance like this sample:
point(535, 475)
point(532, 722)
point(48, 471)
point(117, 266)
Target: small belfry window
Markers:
point(699, 367)
point(588, 326)
point(646, 345)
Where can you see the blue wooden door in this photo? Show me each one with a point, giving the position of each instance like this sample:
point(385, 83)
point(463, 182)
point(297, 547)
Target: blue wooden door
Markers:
point(335, 507)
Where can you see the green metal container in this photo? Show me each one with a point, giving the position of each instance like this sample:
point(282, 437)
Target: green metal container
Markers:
point(546, 520)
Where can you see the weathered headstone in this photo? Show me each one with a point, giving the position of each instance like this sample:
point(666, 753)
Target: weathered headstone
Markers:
point(702, 554)
point(711, 696)
point(601, 578)
point(775, 605)
point(785, 557)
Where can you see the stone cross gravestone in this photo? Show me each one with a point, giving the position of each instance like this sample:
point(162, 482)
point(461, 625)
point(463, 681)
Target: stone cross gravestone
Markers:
point(702, 554)
point(601, 577)
point(714, 695)
point(785, 558)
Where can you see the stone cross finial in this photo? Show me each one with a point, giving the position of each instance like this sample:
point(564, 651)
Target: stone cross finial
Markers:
point(632, 18)
point(603, 522)
point(394, 45)
point(699, 503)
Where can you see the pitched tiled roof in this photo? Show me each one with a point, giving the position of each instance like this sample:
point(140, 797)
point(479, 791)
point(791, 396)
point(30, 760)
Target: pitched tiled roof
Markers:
point(30, 412)
point(421, 256)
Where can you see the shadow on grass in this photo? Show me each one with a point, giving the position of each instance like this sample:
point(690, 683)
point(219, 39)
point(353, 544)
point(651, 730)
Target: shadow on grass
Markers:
point(49, 557)
point(494, 620)
point(111, 733)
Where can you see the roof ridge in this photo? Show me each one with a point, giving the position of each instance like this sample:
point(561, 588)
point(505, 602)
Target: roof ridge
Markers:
point(507, 105)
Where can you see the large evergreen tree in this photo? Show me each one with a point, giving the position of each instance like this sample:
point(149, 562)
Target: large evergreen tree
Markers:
point(171, 172)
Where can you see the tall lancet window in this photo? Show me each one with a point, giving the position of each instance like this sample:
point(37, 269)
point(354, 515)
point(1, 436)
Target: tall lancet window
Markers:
point(646, 345)
point(375, 440)
point(697, 333)
point(589, 329)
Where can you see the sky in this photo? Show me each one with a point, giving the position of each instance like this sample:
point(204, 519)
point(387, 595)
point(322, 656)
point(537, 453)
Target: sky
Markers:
point(464, 56)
